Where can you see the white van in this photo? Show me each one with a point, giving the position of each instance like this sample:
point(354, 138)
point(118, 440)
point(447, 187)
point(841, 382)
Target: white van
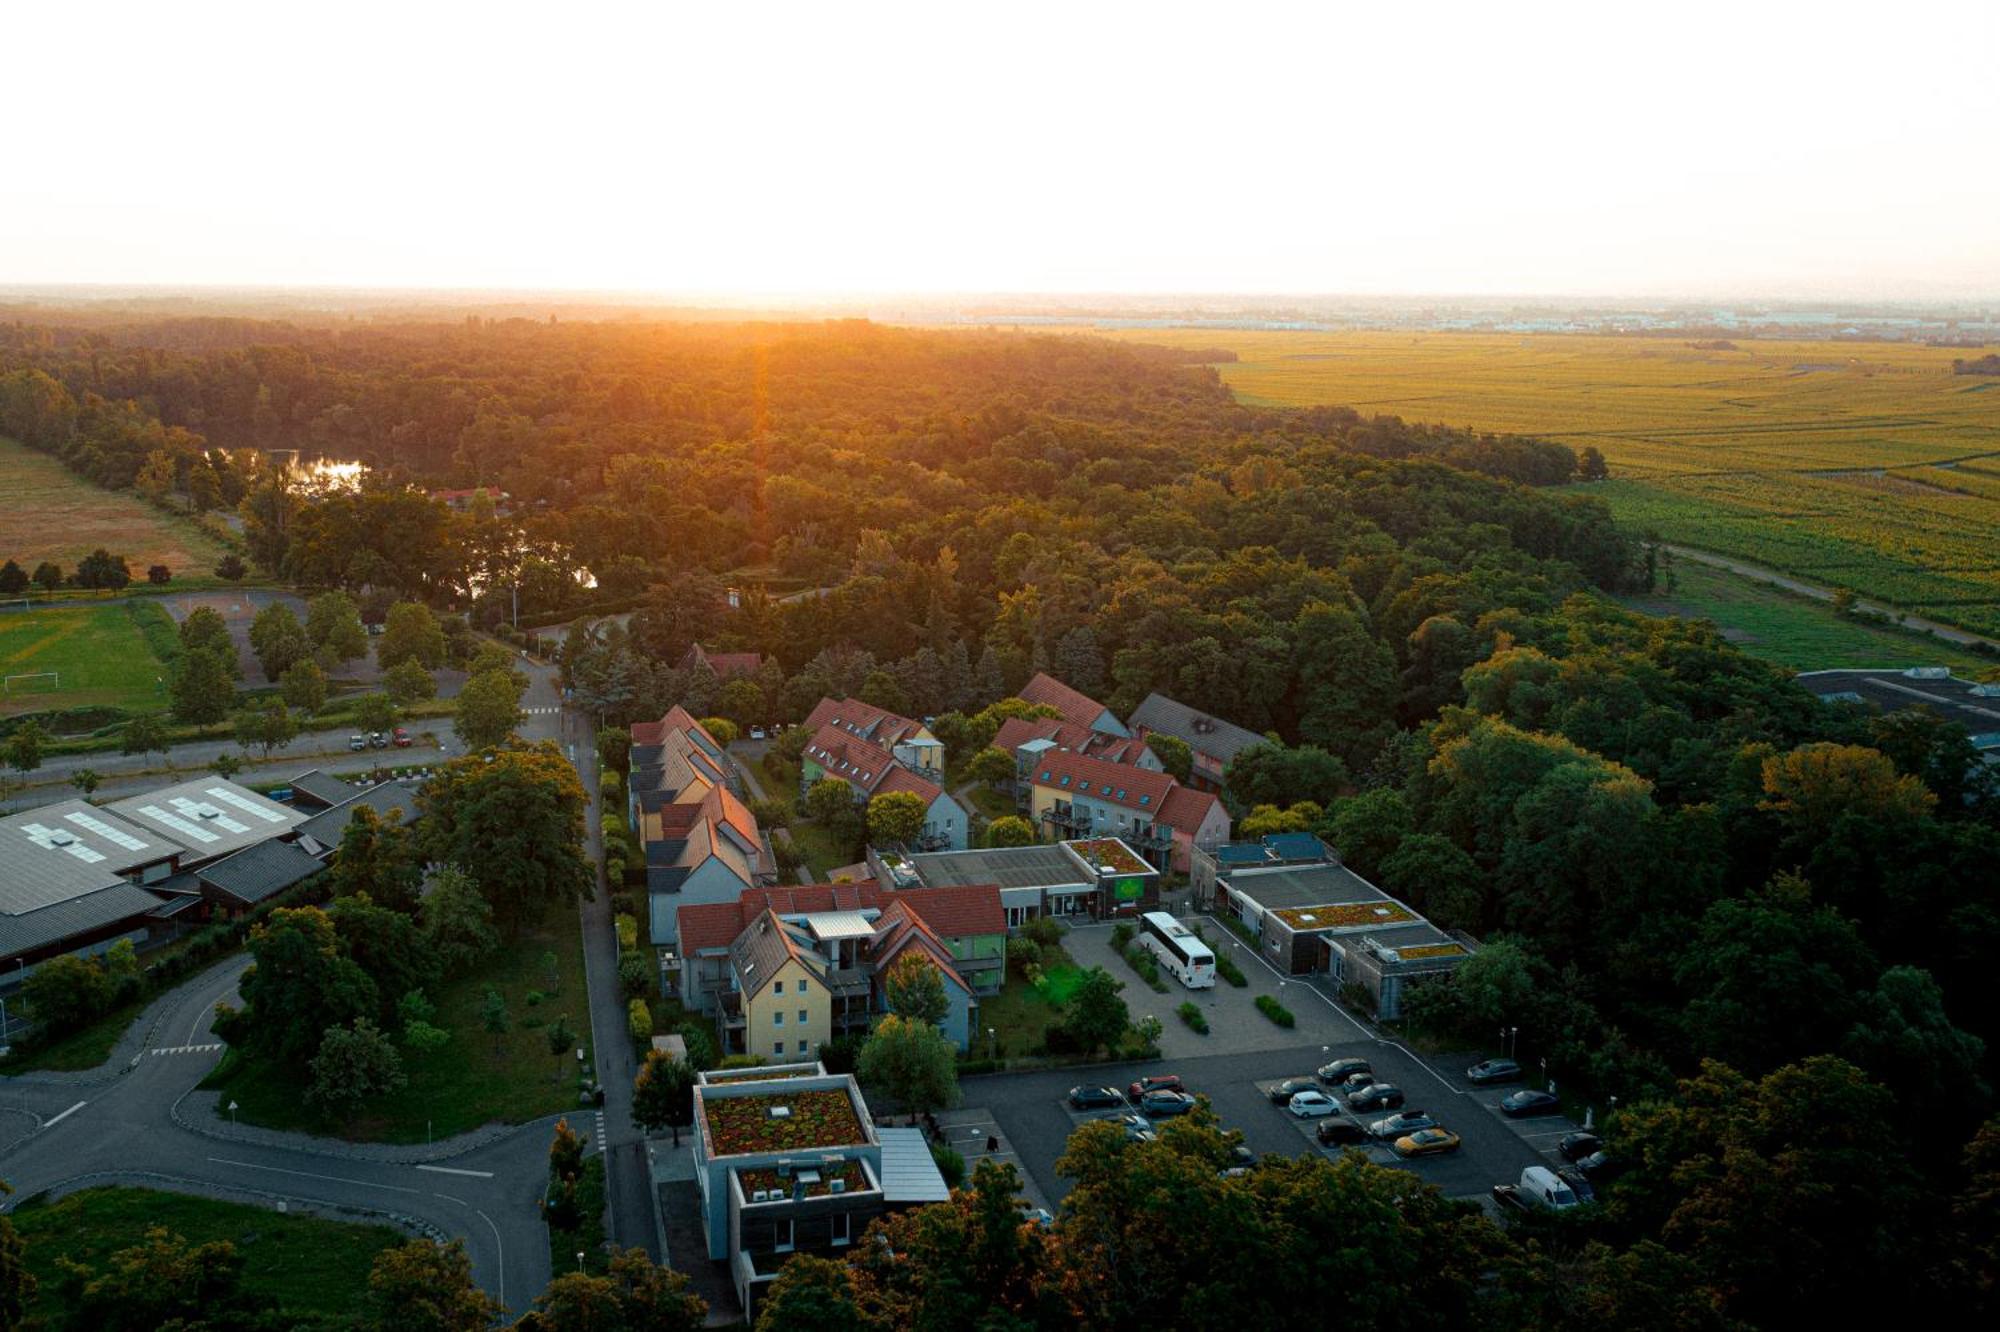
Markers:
point(1540, 1187)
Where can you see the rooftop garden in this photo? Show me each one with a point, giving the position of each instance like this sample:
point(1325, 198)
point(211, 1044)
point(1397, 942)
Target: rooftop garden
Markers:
point(1421, 951)
point(1344, 915)
point(757, 1073)
point(1110, 855)
point(740, 1125)
point(852, 1179)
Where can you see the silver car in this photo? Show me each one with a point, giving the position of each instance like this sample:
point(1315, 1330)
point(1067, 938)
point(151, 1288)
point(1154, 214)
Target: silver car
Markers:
point(1396, 1125)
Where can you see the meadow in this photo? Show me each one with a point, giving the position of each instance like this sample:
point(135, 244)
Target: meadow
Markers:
point(51, 513)
point(102, 653)
point(1863, 465)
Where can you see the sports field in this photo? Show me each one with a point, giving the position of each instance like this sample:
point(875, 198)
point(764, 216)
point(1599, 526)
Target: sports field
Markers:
point(50, 513)
point(100, 653)
point(1865, 465)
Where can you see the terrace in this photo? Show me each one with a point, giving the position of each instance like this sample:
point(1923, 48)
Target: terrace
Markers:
point(1345, 915)
point(809, 1181)
point(1108, 855)
point(781, 1121)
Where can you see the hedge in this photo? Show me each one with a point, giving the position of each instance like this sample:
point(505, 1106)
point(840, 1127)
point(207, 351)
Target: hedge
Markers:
point(639, 1021)
point(628, 933)
point(1191, 1015)
point(1275, 1011)
point(1225, 967)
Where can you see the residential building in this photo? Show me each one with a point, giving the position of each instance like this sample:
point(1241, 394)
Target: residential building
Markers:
point(783, 998)
point(1073, 796)
point(1322, 918)
point(701, 842)
point(909, 742)
point(788, 1160)
point(1214, 741)
point(1098, 877)
point(1025, 737)
point(870, 770)
point(1073, 705)
point(721, 665)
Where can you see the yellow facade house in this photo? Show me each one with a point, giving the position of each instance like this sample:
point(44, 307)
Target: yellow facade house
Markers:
point(783, 995)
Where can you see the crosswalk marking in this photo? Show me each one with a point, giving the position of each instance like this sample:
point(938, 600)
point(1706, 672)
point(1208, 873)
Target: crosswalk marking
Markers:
point(600, 1131)
point(186, 1049)
point(541, 712)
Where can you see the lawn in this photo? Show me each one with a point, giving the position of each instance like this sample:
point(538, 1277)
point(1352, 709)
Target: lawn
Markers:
point(51, 513)
point(824, 850)
point(990, 803)
point(86, 1047)
point(1021, 1014)
point(1792, 630)
point(313, 1267)
point(465, 1084)
point(101, 654)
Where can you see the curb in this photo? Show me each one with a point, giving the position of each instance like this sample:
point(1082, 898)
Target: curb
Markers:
point(379, 1153)
point(200, 1188)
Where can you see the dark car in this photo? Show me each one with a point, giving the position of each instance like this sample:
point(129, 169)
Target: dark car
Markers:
point(1239, 1155)
point(1338, 1132)
point(1137, 1127)
point(1376, 1096)
point(1573, 1147)
point(1600, 1167)
point(1095, 1098)
point(1509, 1197)
point(1489, 1071)
point(1154, 1082)
point(1526, 1102)
point(1340, 1070)
point(1578, 1182)
point(1283, 1093)
point(1355, 1082)
point(1165, 1104)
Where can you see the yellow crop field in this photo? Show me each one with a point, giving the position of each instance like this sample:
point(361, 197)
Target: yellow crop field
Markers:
point(1866, 465)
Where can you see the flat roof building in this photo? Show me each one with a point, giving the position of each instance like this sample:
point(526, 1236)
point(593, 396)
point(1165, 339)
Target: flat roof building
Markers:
point(1973, 705)
point(209, 816)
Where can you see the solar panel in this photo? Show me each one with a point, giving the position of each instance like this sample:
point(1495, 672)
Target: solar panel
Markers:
point(176, 824)
point(110, 834)
point(229, 797)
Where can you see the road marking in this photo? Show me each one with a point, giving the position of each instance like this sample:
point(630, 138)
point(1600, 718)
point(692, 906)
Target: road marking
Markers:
point(186, 1049)
point(207, 1013)
point(306, 1174)
point(65, 1114)
point(499, 1246)
point(447, 1170)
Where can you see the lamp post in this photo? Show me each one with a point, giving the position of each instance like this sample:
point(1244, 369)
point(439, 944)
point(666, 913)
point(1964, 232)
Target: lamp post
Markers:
point(993, 1041)
point(1513, 1040)
point(579, 1260)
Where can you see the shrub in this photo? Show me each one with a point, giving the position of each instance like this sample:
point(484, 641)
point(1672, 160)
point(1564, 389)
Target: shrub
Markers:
point(533, 997)
point(1121, 934)
point(1225, 967)
point(1275, 1011)
point(1046, 931)
point(950, 1164)
point(639, 1021)
point(1022, 954)
point(628, 933)
point(1143, 962)
point(634, 973)
point(1191, 1015)
point(972, 1067)
point(614, 869)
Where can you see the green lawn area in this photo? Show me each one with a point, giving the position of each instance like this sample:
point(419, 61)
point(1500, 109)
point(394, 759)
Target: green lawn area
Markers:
point(86, 1047)
point(1021, 1014)
point(1794, 631)
point(313, 1267)
point(467, 1083)
point(588, 1238)
point(990, 803)
point(824, 851)
point(100, 654)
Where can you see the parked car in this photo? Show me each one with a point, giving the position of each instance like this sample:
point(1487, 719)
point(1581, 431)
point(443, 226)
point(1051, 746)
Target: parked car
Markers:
point(1432, 1141)
point(756, 733)
point(1312, 1105)
point(1489, 1071)
point(1340, 1070)
point(1400, 1123)
point(1600, 1167)
point(1527, 1102)
point(1355, 1082)
point(1154, 1082)
point(357, 741)
point(1095, 1098)
point(1573, 1147)
point(1340, 1132)
point(1376, 1096)
point(1239, 1155)
point(1137, 1128)
point(377, 740)
point(1165, 1103)
point(1578, 1184)
point(1290, 1087)
point(1033, 1215)
point(1539, 1190)
point(402, 737)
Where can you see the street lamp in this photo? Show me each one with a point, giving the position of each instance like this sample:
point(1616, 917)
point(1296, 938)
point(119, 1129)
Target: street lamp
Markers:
point(579, 1260)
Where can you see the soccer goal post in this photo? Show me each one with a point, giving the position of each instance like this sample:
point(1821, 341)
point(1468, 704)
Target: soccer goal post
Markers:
point(9, 684)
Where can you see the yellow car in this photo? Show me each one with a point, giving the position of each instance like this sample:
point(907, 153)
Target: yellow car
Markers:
point(1427, 1142)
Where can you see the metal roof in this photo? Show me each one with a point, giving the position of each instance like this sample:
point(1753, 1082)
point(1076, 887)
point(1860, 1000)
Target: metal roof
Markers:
point(909, 1174)
point(323, 788)
point(1040, 866)
point(258, 872)
point(60, 851)
point(73, 916)
point(210, 816)
point(327, 826)
point(839, 925)
point(1203, 732)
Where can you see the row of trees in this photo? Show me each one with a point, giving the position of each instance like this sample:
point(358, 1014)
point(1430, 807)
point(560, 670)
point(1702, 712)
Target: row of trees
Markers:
point(99, 571)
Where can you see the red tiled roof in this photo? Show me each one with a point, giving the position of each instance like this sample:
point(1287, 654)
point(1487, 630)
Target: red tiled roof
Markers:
point(1141, 789)
point(865, 766)
point(1185, 808)
point(678, 718)
point(1017, 731)
point(717, 924)
point(902, 779)
point(723, 664)
point(879, 725)
point(1075, 706)
point(722, 806)
point(901, 928)
point(958, 910)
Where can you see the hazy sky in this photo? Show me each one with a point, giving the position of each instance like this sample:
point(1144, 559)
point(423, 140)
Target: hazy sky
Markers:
point(1740, 148)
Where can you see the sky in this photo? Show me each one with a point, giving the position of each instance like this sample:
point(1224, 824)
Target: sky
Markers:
point(1755, 148)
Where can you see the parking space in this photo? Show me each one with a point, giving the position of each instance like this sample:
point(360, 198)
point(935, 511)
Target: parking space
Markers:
point(977, 1136)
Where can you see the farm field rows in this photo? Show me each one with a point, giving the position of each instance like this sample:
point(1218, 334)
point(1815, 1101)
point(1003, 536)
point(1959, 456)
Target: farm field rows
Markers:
point(50, 513)
point(1865, 465)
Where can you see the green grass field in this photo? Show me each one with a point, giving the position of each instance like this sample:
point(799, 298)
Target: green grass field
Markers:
point(1792, 630)
point(101, 654)
point(467, 1083)
point(51, 513)
point(1021, 1014)
point(1865, 465)
point(313, 1267)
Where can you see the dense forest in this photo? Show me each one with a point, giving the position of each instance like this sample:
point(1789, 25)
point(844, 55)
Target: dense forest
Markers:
point(1763, 923)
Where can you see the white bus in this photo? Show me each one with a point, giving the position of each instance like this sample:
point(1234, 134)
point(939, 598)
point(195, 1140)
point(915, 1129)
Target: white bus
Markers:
point(1178, 950)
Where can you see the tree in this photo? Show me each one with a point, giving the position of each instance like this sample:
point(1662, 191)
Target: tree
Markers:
point(85, 780)
point(159, 575)
point(831, 801)
point(334, 628)
point(22, 750)
point(353, 1064)
point(663, 1094)
point(17, 1283)
point(161, 1282)
point(1010, 830)
point(407, 682)
point(493, 1017)
point(203, 689)
point(742, 701)
point(1176, 755)
point(915, 990)
point(378, 857)
point(13, 579)
point(411, 633)
point(1816, 784)
point(1275, 774)
point(722, 730)
point(230, 568)
point(489, 708)
point(1366, 829)
point(811, 1294)
point(225, 765)
point(302, 983)
point(1347, 681)
point(1432, 874)
point(515, 824)
point(49, 575)
point(304, 686)
point(204, 630)
point(278, 639)
point(102, 569)
point(1590, 464)
point(143, 735)
point(561, 1041)
point(269, 727)
point(66, 992)
point(913, 1062)
point(895, 817)
point(374, 712)
point(634, 1295)
point(426, 1287)
point(992, 766)
point(1097, 1017)
point(457, 920)
point(1904, 1038)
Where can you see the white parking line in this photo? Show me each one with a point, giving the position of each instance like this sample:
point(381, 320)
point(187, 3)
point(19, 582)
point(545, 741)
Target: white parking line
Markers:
point(65, 1114)
point(448, 1170)
point(307, 1174)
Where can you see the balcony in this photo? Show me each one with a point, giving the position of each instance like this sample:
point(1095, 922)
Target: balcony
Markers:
point(730, 1004)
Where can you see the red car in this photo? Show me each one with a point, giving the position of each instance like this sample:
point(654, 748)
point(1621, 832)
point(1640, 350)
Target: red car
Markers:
point(1154, 1082)
point(402, 738)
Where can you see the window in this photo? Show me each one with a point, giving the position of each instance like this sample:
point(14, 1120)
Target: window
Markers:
point(781, 1230)
point(804, 1017)
point(778, 988)
point(778, 1018)
point(1145, 800)
point(802, 1047)
point(802, 985)
point(777, 1047)
point(842, 1228)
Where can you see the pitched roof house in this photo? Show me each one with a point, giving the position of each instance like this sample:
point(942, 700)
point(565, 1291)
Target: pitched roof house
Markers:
point(1061, 733)
point(908, 742)
point(1214, 741)
point(1078, 796)
point(722, 665)
point(702, 843)
point(870, 770)
point(1075, 706)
